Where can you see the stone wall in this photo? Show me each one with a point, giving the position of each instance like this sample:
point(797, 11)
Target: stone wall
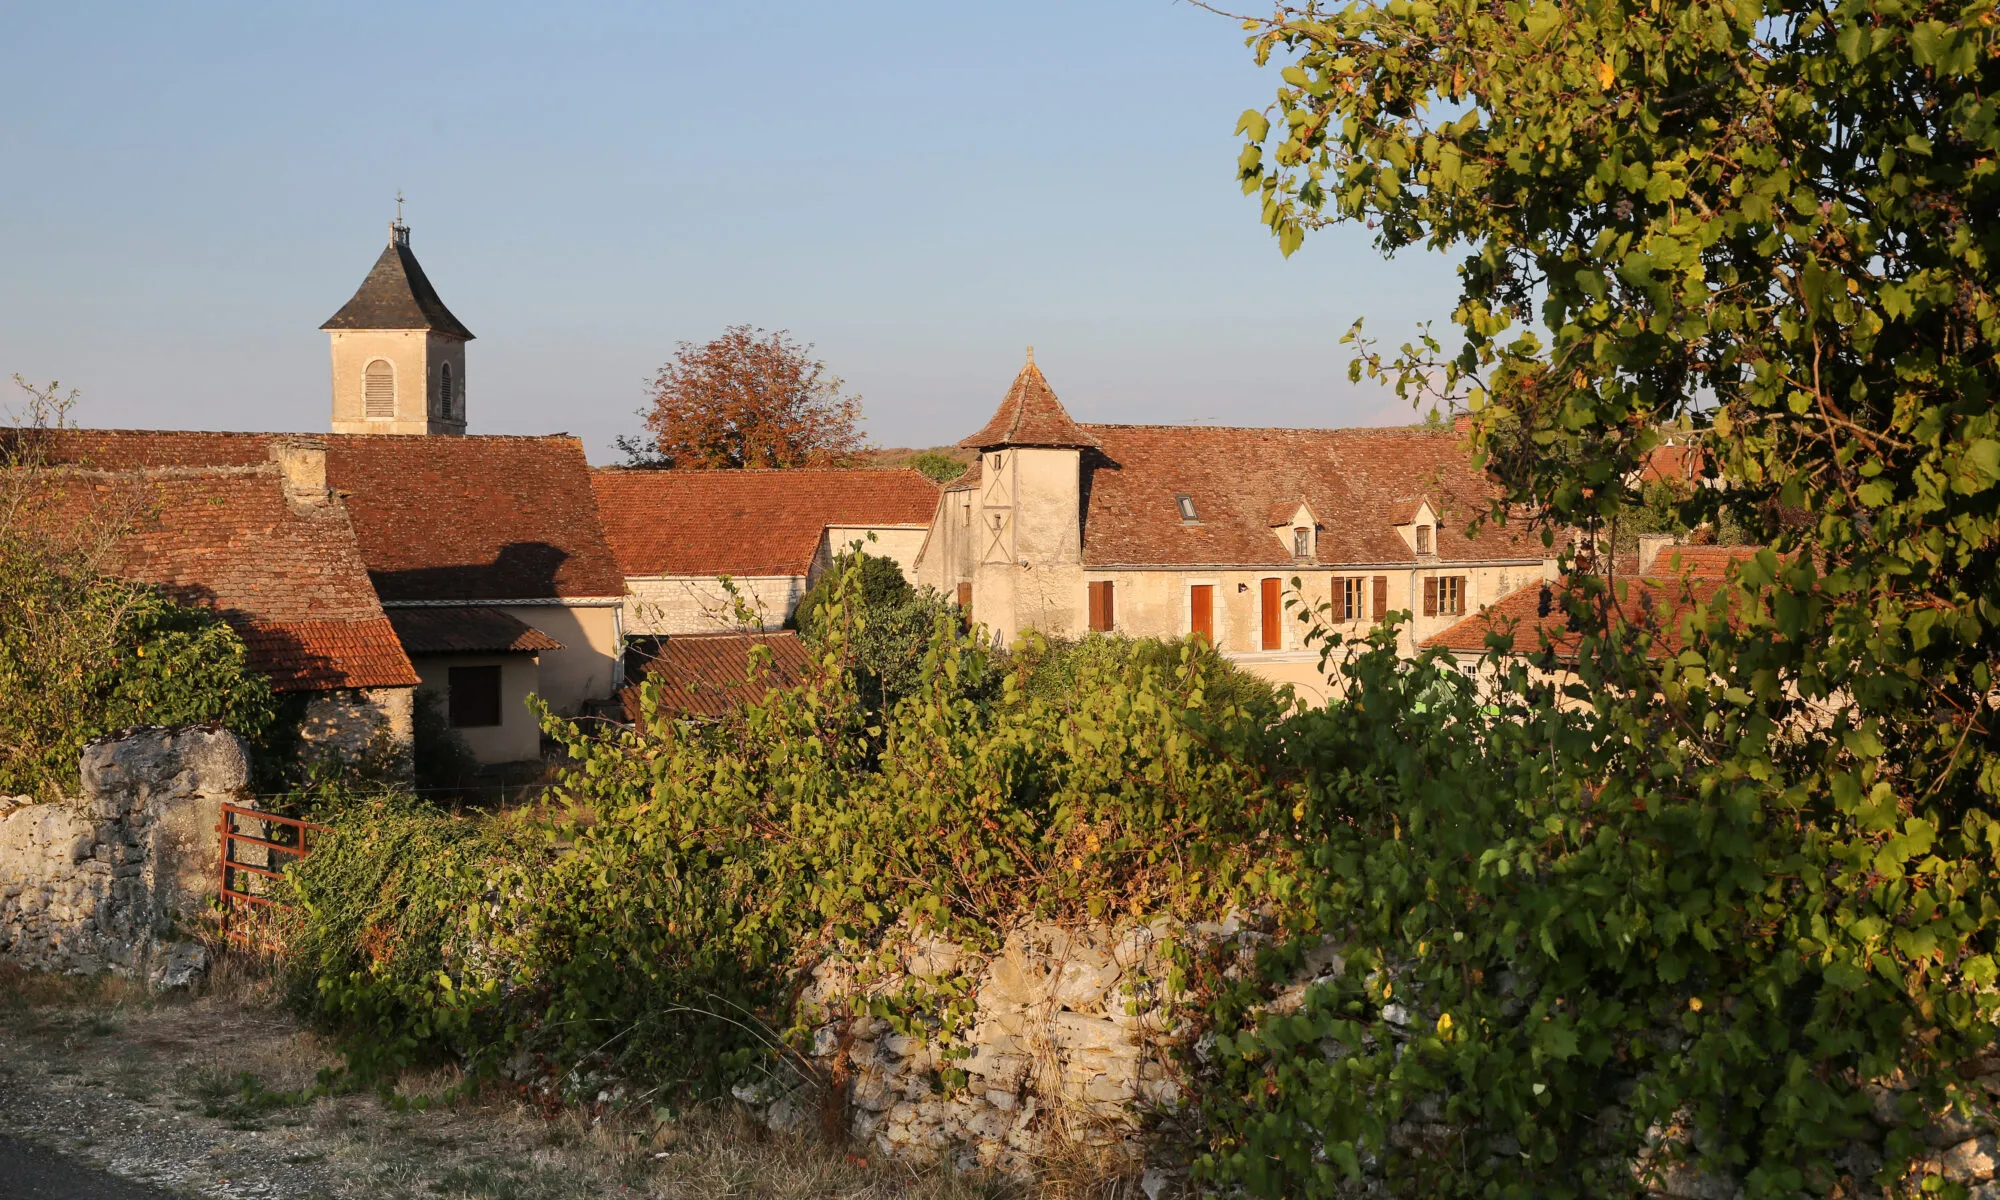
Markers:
point(1062, 1046)
point(108, 880)
point(1063, 1043)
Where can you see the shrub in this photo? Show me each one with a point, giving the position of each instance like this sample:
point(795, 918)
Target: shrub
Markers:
point(938, 466)
point(651, 921)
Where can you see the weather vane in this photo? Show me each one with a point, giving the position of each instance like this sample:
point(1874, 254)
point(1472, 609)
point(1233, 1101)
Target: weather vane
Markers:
point(399, 206)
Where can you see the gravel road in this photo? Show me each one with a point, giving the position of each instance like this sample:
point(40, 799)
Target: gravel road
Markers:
point(29, 1172)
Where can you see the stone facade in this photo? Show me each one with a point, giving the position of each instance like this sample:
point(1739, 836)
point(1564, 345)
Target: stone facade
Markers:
point(354, 723)
point(104, 881)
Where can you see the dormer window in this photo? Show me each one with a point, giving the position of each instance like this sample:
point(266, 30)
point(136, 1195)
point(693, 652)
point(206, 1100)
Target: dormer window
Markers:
point(1423, 539)
point(1302, 542)
point(1186, 503)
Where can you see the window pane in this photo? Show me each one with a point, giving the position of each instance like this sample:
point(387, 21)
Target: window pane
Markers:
point(473, 698)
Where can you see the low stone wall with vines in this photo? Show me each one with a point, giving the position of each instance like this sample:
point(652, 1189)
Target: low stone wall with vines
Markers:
point(103, 881)
point(1058, 1039)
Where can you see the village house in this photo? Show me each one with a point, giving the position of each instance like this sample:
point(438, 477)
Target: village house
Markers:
point(677, 534)
point(483, 555)
point(1172, 530)
point(268, 547)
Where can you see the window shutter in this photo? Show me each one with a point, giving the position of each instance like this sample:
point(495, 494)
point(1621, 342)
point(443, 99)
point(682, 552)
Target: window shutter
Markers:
point(1458, 595)
point(1100, 606)
point(1430, 597)
point(1110, 615)
point(1273, 607)
point(378, 389)
point(965, 604)
point(1381, 597)
point(1201, 610)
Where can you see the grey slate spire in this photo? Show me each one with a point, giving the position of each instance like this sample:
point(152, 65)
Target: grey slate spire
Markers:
point(396, 295)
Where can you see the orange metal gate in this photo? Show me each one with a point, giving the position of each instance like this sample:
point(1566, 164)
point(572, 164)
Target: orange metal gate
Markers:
point(241, 855)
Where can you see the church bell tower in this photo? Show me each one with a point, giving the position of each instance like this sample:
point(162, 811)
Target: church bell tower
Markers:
point(398, 353)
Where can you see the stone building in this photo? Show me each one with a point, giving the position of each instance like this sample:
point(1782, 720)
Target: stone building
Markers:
point(1165, 531)
point(264, 542)
point(677, 533)
point(398, 353)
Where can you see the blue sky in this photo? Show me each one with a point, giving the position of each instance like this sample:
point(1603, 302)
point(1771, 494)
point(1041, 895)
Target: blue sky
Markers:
point(187, 191)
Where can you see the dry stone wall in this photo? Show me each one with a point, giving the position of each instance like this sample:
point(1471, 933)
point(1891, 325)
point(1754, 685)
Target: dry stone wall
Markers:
point(1063, 1039)
point(1060, 1039)
point(110, 879)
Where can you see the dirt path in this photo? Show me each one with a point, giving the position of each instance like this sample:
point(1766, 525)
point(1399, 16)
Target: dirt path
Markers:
point(182, 1096)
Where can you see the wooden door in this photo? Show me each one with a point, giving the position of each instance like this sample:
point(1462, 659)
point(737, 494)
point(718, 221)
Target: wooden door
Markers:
point(1201, 610)
point(1274, 608)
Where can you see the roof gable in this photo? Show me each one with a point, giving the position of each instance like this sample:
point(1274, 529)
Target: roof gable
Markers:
point(737, 522)
point(1030, 415)
point(396, 294)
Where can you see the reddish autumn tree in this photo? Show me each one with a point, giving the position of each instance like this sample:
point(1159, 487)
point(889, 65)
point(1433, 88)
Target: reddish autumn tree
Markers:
point(750, 398)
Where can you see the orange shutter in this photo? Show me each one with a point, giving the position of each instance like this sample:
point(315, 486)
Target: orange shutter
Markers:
point(1430, 597)
point(1462, 594)
point(965, 604)
point(1273, 606)
point(1101, 606)
point(1201, 611)
point(1381, 597)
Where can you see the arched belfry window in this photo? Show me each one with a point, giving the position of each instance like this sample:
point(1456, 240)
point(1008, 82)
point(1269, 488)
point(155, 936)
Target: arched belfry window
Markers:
point(378, 389)
point(445, 394)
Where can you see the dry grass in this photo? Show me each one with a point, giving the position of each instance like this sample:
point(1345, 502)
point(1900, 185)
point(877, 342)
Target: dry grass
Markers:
point(191, 1093)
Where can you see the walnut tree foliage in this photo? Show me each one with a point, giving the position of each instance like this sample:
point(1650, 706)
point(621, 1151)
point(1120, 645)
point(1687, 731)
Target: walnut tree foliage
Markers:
point(1744, 864)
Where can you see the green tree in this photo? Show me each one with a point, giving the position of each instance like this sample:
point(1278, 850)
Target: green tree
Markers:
point(1746, 865)
point(938, 466)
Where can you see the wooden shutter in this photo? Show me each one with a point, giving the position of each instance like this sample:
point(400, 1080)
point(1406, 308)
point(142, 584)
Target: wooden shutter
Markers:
point(1430, 597)
point(1101, 606)
point(965, 604)
point(1381, 597)
point(378, 389)
point(1273, 606)
point(1459, 595)
point(1201, 611)
point(472, 697)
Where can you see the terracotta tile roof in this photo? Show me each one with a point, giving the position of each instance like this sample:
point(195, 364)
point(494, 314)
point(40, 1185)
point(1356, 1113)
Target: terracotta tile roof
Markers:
point(706, 674)
point(1678, 463)
point(1358, 483)
point(437, 518)
point(397, 295)
point(707, 523)
point(467, 631)
point(1030, 415)
point(1680, 578)
point(475, 518)
point(312, 656)
point(288, 577)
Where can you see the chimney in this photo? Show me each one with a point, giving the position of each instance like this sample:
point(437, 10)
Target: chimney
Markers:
point(1650, 545)
point(302, 461)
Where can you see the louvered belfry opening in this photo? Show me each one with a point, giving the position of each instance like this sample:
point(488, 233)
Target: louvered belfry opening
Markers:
point(378, 389)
